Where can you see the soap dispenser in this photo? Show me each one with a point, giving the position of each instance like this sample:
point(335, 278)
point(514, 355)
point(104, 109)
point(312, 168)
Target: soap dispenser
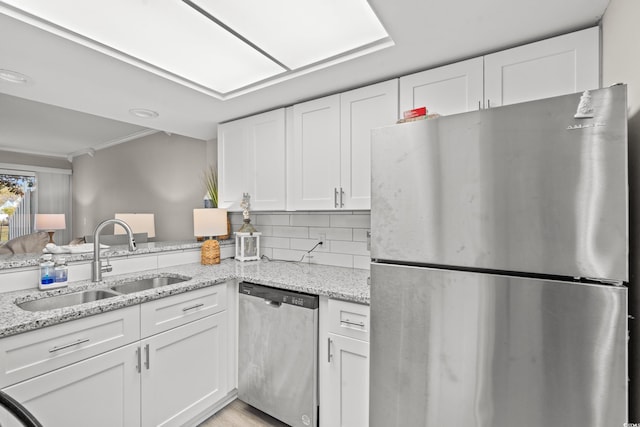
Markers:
point(48, 274)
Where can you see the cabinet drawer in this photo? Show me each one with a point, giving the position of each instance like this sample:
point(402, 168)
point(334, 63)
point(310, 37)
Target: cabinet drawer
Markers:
point(33, 353)
point(349, 319)
point(166, 313)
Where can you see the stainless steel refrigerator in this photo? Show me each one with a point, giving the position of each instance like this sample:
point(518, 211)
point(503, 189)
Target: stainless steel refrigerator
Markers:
point(500, 263)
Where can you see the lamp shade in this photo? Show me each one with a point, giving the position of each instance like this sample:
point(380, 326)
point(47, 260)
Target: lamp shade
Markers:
point(139, 223)
point(50, 222)
point(209, 222)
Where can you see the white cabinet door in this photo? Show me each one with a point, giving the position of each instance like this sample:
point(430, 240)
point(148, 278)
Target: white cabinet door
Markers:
point(231, 171)
point(316, 154)
point(251, 159)
point(446, 90)
point(266, 141)
point(552, 67)
point(184, 371)
point(361, 110)
point(347, 402)
point(102, 391)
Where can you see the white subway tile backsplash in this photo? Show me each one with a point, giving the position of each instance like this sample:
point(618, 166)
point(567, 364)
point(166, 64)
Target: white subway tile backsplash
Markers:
point(289, 235)
point(288, 254)
point(353, 248)
point(310, 220)
point(352, 221)
point(271, 219)
point(363, 262)
point(307, 244)
point(298, 232)
point(326, 258)
point(275, 242)
point(360, 234)
point(331, 233)
point(266, 230)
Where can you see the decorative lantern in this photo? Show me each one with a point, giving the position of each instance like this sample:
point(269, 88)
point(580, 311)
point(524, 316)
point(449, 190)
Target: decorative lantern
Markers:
point(247, 238)
point(247, 246)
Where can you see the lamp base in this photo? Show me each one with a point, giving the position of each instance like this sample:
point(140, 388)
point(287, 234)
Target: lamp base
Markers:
point(51, 236)
point(210, 252)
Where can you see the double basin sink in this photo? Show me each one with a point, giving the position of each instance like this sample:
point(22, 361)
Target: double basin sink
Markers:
point(91, 295)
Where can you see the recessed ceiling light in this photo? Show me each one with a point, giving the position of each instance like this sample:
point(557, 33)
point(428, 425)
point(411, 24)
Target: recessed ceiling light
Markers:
point(143, 113)
point(14, 77)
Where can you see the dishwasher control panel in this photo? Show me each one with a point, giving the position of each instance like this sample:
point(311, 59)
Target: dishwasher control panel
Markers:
point(277, 295)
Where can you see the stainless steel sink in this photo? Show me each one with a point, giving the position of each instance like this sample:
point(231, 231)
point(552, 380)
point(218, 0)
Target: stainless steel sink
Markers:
point(146, 283)
point(66, 300)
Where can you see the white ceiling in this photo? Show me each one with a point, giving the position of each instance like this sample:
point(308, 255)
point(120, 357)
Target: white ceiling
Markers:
point(83, 96)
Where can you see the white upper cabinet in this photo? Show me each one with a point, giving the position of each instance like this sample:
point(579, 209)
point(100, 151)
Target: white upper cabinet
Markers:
point(251, 159)
point(316, 153)
point(552, 67)
point(360, 111)
point(446, 90)
point(330, 164)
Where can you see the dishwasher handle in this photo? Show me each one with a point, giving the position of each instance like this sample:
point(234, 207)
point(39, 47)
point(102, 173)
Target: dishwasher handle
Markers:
point(271, 303)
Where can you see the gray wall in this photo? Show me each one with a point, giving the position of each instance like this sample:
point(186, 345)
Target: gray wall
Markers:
point(34, 160)
point(621, 64)
point(159, 173)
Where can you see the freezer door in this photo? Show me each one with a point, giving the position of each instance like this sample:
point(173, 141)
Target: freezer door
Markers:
point(526, 188)
point(468, 349)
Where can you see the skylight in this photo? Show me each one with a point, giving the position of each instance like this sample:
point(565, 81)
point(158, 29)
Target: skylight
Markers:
point(222, 48)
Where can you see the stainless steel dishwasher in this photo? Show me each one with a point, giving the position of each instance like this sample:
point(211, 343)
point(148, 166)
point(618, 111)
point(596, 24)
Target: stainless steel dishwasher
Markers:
point(278, 353)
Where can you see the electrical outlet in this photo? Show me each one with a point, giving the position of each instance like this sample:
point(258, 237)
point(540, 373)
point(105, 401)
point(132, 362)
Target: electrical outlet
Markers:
point(322, 238)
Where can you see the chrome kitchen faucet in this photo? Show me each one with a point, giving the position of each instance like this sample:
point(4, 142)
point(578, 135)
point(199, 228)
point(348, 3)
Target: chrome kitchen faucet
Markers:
point(96, 266)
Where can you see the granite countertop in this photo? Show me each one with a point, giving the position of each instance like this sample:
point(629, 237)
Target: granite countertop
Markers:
point(335, 282)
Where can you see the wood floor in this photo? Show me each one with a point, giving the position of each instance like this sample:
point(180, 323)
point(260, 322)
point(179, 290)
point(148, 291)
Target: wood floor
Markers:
point(239, 414)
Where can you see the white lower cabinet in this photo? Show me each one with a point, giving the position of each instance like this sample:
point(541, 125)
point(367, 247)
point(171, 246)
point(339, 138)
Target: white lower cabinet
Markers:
point(173, 374)
point(344, 366)
point(183, 371)
point(102, 391)
point(348, 378)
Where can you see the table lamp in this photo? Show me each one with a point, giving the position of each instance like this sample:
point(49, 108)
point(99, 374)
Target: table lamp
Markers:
point(209, 222)
point(139, 223)
point(50, 223)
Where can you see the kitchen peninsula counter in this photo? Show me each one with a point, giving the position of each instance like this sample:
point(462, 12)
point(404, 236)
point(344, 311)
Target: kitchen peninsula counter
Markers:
point(115, 251)
point(334, 282)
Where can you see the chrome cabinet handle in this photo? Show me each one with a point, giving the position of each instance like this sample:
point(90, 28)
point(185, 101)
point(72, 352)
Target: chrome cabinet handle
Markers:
point(479, 105)
point(341, 196)
point(146, 357)
point(347, 322)
point(329, 355)
point(62, 347)
point(488, 103)
point(139, 358)
point(193, 307)
point(335, 197)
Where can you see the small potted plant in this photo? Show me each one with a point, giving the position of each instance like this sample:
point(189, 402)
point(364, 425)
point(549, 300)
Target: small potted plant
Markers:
point(211, 195)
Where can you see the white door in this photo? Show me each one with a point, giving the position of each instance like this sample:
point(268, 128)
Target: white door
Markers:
point(552, 67)
point(184, 371)
point(360, 111)
point(347, 402)
point(446, 90)
point(316, 154)
point(103, 391)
